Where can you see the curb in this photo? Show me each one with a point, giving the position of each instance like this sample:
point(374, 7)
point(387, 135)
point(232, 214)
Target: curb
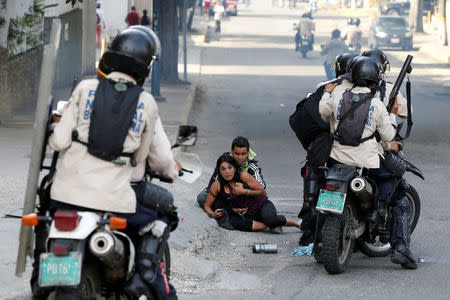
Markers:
point(188, 104)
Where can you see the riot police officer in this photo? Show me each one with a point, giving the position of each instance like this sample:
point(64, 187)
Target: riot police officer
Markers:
point(104, 140)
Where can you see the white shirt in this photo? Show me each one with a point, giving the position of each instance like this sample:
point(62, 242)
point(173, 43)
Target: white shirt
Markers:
point(101, 17)
point(218, 11)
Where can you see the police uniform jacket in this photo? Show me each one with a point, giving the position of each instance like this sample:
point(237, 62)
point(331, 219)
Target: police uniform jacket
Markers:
point(306, 27)
point(366, 154)
point(85, 180)
point(160, 157)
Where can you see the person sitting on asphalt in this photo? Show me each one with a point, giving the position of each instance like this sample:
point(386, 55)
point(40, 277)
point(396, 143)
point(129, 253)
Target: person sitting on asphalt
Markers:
point(240, 196)
point(245, 157)
point(330, 50)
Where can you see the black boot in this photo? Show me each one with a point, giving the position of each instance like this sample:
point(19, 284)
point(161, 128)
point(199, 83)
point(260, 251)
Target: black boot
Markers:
point(306, 238)
point(400, 237)
point(308, 216)
point(136, 288)
point(401, 255)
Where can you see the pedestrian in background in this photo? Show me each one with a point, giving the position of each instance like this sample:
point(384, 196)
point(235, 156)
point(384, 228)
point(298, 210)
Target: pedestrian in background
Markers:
point(200, 6)
point(145, 20)
point(132, 17)
point(218, 12)
point(100, 24)
point(333, 48)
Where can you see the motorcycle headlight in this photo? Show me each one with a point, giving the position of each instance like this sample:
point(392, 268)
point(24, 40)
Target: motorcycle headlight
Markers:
point(381, 34)
point(408, 34)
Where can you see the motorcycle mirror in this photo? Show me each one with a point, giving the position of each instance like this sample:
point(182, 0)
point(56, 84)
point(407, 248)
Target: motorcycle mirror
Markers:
point(187, 136)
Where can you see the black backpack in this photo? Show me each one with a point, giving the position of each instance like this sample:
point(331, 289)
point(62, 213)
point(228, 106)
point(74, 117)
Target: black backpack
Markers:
point(354, 113)
point(306, 121)
point(112, 116)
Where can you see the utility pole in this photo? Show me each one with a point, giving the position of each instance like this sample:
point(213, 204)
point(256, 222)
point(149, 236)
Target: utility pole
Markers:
point(415, 15)
point(442, 22)
point(184, 41)
point(156, 70)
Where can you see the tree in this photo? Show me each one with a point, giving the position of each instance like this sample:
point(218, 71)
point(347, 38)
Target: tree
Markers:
point(443, 20)
point(169, 41)
point(415, 15)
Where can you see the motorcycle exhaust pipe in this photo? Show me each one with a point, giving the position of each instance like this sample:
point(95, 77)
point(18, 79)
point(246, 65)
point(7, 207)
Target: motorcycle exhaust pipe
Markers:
point(363, 190)
point(111, 252)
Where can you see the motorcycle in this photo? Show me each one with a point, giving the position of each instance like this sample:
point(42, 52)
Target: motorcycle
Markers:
point(343, 206)
point(86, 253)
point(303, 43)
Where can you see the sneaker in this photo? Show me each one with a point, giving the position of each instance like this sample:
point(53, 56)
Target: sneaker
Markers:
point(277, 230)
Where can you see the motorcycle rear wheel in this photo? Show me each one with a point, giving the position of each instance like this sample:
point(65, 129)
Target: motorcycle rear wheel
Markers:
point(337, 246)
point(379, 249)
point(304, 53)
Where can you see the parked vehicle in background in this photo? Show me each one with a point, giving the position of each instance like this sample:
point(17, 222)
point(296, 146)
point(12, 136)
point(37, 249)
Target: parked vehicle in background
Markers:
point(402, 8)
point(230, 8)
point(390, 32)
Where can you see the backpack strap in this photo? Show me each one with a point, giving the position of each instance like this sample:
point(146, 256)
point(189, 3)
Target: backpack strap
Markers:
point(408, 100)
point(382, 89)
point(123, 154)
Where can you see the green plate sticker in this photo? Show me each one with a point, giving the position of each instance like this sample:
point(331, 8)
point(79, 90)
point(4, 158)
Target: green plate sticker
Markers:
point(60, 270)
point(331, 201)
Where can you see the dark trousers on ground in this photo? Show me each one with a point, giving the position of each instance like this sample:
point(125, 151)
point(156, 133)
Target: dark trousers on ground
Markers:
point(267, 214)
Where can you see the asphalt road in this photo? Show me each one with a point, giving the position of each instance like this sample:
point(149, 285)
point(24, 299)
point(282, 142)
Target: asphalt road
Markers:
point(251, 80)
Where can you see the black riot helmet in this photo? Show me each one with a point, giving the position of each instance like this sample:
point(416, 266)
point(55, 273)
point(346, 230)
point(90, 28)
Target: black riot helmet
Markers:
point(350, 21)
point(132, 52)
point(365, 71)
point(342, 62)
point(356, 21)
point(379, 56)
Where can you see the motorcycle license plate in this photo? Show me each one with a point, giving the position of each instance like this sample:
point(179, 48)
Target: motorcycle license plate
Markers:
point(60, 270)
point(305, 43)
point(395, 40)
point(331, 201)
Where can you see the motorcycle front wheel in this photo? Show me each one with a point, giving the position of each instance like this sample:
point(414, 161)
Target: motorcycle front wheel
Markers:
point(379, 249)
point(337, 243)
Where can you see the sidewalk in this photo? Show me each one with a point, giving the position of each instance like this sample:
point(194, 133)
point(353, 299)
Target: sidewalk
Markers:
point(428, 43)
